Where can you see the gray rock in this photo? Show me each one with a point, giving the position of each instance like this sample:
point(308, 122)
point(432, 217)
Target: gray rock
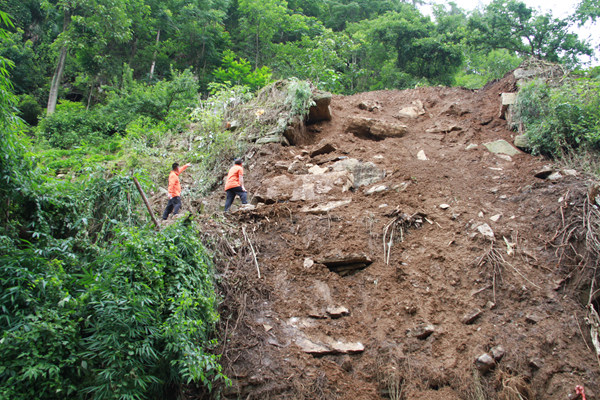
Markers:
point(347, 348)
point(423, 331)
point(471, 317)
point(413, 111)
point(369, 105)
point(308, 263)
point(501, 147)
point(304, 187)
point(376, 189)
point(297, 167)
point(485, 363)
point(323, 149)
point(337, 312)
point(536, 363)
point(498, 352)
point(522, 142)
point(471, 146)
point(422, 156)
point(273, 139)
point(363, 173)
point(375, 129)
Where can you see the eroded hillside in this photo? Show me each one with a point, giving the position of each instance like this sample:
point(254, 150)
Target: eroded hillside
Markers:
point(391, 249)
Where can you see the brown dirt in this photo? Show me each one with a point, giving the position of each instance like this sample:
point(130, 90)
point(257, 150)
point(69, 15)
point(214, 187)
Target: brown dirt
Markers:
point(436, 275)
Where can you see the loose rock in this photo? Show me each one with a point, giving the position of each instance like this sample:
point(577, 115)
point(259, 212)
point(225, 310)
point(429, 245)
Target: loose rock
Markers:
point(485, 363)
point(423, 331)
point(471, 317)
point(498, 352)
point(421, 156)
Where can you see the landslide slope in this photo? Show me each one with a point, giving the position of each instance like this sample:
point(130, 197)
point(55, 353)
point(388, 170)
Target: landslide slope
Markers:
point(417, 311)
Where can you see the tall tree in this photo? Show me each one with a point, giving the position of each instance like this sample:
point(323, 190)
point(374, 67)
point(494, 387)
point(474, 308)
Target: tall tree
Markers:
point(86, 22)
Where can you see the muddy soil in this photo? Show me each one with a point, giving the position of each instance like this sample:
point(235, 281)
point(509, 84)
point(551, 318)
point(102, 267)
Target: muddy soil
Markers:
point(411, 321)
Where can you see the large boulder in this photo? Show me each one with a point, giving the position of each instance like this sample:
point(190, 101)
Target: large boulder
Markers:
point(375, 129)
point(304, 187)
point(364, 173)
point(320, 111)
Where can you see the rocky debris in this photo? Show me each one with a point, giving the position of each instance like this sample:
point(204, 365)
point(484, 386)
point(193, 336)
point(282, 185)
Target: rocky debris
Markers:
point(522, 142)
point(536, 363)
point(297, 167)
point(533, 318)
point(308, 263)
point(471, 146)
point(363, 173)
point(320, 111)
point(495, 218)
point(375, 129)
point(485, 230)
point(446, 128)
point(369, 105)
point(316, 170)
point(455, 110)
point(471, 317)
point(544, 172)
point(508, 99)
point(346, 264)
point(322, 149)
point(504, 157)
point(444, 206)
point(497, 352)
point(555, 176)
point(337, 312)
point(413, 111)
point(501, 147)
point(324, 208)
point(273, 139)
point(303, 187)
point(334, 347)
point(422, 331)
point(421, 156)
point(282, 165)
point(485, 363)
point(376, 189)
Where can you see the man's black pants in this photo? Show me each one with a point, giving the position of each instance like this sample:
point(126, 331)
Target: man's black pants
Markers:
point(173, 205)
point(231, 196)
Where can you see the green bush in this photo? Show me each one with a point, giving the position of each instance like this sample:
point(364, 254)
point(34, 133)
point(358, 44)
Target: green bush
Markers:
point(29, 109)
point(563, 118)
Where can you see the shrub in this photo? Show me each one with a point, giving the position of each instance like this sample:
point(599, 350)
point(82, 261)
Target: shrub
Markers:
point(562, 118)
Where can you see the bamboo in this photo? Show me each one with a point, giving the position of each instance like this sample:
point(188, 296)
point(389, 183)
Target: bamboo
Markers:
point(137, 184)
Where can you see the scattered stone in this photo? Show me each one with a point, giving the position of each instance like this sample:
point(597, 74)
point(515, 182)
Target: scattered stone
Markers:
point(444, 206)
point(273, 139)
point(544, 173)
point(444, 129)
point(324, 208)
point(498, 352)
point(324, 149)
point(555, 176)
point(383, 205)
point(471, 146)
point(486, 231)
point(471, 317)
point(504, 157)
point(311, 347)
point(369, 105)
point(282, 165)
point(522, 142)
point(297, 167)
point(363, 173)
point(569, 172)
point(481, 215)
point(490, 305)
point(304, 187)
point(376, 189)
point(401, 187)
point(536, 363)
point(496, 217)
point(533, 318)
point(375, 129)
point(413, 111)
point(337, 312)
point(378, 157)
point(308, 263)
point(485, 363)
point(246, 207)
point(501, 147)
point(423, 331)
point(320, 111)
point(347, 348)
point(267, 327)
point(316, 170)
point(421, 156)
point(508, 99)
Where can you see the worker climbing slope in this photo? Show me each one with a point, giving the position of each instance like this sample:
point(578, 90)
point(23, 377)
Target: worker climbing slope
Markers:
point(174, 203)
point(234, 184)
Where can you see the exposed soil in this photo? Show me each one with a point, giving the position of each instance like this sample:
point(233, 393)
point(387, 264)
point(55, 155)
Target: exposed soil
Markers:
point(441, 269)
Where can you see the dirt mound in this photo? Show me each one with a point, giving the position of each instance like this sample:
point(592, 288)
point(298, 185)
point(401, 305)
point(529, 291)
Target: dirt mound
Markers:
point(437, 253)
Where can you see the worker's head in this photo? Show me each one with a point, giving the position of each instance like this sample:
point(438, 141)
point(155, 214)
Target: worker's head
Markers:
point(175, 166)
point(238, 161)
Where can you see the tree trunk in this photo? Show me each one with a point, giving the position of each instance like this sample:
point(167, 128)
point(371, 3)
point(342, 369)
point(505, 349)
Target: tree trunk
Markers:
point(60, 68)
point(155, 54)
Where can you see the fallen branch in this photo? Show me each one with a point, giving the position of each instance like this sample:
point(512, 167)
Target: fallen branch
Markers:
point(139, 188)
point(252, 249)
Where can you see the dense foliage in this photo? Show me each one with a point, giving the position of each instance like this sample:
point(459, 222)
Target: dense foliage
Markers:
point(563, 118)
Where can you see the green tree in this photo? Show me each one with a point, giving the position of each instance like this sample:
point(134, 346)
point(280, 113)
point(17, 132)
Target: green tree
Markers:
point(511, 25)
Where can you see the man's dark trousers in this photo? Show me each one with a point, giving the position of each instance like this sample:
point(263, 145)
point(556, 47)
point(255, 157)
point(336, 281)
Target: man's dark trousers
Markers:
point(173, 205)
point(231, 196)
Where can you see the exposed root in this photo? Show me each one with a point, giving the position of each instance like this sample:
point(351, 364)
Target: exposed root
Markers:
point(400, 223)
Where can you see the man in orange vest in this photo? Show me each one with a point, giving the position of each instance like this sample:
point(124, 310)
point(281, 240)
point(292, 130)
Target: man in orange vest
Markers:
point(174, 190)
point(234, 185)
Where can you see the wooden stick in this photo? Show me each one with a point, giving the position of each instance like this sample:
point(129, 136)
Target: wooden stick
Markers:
point(137, 184)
